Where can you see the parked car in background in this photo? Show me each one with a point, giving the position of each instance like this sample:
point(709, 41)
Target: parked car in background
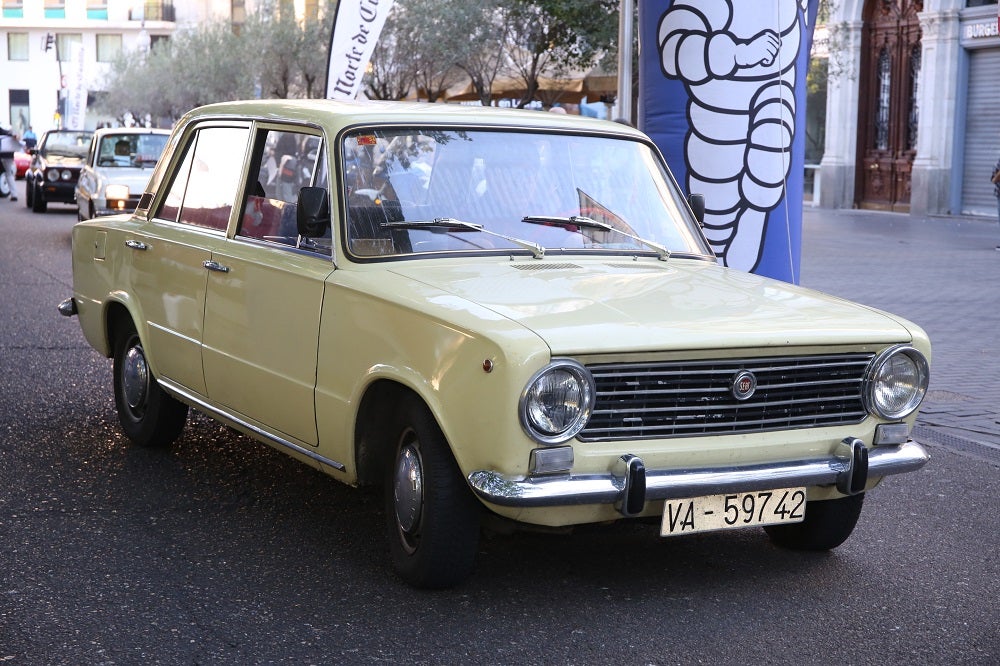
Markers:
point(55, 167)
point(491, 313)
point(117, 169)
point(22, 161)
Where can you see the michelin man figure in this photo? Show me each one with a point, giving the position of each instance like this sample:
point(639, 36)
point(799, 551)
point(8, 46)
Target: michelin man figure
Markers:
point(737, 61)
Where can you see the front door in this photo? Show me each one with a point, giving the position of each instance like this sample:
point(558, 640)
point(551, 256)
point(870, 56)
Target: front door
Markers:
point(888, 111)
point(265, 294)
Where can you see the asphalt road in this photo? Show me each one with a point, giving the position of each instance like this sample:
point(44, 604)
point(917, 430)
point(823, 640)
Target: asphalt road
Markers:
point(222, 551)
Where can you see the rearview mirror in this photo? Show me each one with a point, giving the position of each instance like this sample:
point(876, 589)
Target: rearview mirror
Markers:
point(697, 203)
point(312, 214)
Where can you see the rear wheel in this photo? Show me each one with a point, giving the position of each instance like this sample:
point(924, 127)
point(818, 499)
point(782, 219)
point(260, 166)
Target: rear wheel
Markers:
point(828, 523)
point(432, 518)
point(147, 414)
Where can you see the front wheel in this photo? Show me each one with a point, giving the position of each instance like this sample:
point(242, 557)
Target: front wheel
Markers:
point(432, 518)
point(29, 193)
point(38, 203)
point(828, 523)
point(147, 414)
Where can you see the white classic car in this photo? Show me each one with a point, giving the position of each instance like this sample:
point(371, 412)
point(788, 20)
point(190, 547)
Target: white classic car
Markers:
point(487, 312)
point(118, 166)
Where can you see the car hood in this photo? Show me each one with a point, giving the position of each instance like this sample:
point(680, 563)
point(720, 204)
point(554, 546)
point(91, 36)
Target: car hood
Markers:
point(620, 306)
point(55, 159)
point(135, 177)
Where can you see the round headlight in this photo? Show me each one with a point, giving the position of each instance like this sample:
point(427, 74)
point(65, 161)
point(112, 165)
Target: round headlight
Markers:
point(52, 174)
point(896, 382)
point(557, 402)
point(66, 174)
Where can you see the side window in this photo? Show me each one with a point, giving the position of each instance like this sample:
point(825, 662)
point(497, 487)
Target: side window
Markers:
point(204, 188)
point(284, 162)
point(175, 195)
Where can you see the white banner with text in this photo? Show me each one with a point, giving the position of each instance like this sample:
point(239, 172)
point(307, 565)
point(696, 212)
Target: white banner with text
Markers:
point(356, 28)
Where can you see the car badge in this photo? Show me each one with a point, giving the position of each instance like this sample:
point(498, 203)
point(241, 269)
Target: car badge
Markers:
point(744, 385)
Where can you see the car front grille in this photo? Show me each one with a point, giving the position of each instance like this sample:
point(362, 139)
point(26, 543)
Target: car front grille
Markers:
point(691, 398)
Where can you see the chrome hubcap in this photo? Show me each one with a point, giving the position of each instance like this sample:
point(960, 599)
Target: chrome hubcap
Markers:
point(408, 487)
point(135, 378)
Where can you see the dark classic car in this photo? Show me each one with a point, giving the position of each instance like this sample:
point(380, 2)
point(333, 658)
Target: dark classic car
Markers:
point(55, 168)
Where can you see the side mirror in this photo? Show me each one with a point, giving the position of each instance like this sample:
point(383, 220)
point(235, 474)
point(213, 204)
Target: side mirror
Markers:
point(697, 203)
point(312, 214)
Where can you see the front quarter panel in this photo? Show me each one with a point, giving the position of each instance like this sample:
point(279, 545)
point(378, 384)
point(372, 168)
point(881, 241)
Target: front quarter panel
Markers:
point(435, 345)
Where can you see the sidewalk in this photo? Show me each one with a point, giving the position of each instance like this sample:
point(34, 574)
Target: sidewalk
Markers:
point(942, 273)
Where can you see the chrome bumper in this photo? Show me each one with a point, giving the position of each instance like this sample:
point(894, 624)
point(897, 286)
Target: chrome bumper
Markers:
point(630, 485)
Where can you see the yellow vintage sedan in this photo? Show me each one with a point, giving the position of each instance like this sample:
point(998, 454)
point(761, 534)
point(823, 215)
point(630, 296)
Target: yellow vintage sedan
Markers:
point(487, 312)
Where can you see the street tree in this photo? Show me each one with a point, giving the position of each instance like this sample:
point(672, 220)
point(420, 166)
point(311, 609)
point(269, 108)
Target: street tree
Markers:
point(555, 37)
point(484, 52)
point(391, 73)
point(436, 41)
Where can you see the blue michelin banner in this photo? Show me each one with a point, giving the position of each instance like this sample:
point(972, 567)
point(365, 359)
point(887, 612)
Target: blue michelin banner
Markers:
point(722, 93)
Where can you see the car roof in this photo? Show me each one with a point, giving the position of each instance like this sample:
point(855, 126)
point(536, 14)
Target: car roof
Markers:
point(130, 130)
point(335, 115)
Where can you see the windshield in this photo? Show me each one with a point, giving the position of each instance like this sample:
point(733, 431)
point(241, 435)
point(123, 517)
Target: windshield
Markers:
point(429, 191)
point(72, 144)
point(130, 150)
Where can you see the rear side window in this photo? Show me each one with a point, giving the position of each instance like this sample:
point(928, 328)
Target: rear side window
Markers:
point(204, 187)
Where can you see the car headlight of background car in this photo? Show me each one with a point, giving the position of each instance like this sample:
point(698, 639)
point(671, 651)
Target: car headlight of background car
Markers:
point(896, 382)
point(116, 192)
point(557, 402)
point(54, 175)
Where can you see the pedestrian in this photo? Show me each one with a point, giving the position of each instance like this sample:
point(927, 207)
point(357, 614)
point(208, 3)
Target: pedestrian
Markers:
point(996, 190)
point(29, 138)
point(8, 146)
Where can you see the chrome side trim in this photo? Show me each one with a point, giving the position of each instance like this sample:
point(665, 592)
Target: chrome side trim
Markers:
point(229, 419)
point(569, 490)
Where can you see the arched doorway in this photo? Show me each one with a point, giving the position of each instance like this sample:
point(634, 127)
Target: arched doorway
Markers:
point(887, 105)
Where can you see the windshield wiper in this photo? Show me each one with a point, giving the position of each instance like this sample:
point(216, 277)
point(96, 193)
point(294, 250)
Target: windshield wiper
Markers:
point(577, 222)
point(442, 224)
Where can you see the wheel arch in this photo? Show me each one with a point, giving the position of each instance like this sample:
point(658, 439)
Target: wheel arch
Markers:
point(372, 436)
point(118, 314)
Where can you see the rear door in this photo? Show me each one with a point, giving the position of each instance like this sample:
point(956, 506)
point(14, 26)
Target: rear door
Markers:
point(170, 253)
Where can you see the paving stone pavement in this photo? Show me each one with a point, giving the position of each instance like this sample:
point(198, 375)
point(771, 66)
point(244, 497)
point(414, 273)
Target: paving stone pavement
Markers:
point(943, 273)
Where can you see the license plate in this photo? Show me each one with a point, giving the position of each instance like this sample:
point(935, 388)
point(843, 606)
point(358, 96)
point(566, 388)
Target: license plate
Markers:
point(726, 512)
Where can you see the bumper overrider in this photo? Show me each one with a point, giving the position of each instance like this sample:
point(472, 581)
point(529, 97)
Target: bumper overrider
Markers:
point(630, 485)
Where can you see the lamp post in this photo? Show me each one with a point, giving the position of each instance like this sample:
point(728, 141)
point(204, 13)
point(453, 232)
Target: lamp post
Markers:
point(625, 60)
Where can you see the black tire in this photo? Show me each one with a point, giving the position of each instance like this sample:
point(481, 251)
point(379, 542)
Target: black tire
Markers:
point(828, 523)
point(29, 193)
point(432, 517)
point(38, 203)
point(147, 414)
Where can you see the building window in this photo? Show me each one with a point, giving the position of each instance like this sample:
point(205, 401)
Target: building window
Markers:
point(152, 10)
point(108, 47)
point(55, 9)
point(67, 44)
point(882, 108)
point(156, 39)
point(97, 10)
point(17, 46)
point(13, 9)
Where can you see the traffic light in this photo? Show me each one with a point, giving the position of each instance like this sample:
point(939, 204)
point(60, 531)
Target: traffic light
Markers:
point(50, 40)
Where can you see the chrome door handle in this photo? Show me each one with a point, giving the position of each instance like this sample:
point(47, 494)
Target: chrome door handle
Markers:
point(216, 266)
point(136, 245)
